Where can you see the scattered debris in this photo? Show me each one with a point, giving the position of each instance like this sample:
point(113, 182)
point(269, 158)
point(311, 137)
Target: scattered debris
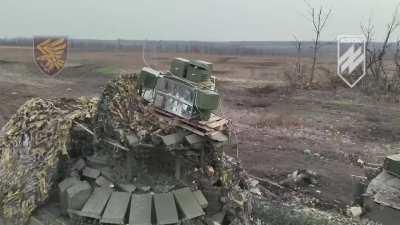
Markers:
point(300, 178)
point(360, 162)
point(256, 191)
point(216, 219)
point(210, 171)
point(103, 182)
point(355, 211)
point(307, 152)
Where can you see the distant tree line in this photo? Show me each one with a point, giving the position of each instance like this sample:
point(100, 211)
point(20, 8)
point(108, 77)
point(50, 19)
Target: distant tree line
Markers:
point(242, 48)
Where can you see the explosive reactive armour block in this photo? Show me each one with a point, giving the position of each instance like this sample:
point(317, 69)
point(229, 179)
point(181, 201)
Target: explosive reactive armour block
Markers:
point(62, 191)
point(91, 173)
point(392, 164)
point(103, 182)
point(201, 199)
point(94, 207)
point(116, 208)
point(141, 207)
point(79, 165)
point(127, 187)
point(77, 195)
point(98, 161)
point(188, 203)
point(165, 208)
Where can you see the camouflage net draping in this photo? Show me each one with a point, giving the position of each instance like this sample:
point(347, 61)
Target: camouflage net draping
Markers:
point(30, 149)
point(122, 108)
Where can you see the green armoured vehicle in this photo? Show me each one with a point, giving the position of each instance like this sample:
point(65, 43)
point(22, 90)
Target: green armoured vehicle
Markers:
point(187, 90)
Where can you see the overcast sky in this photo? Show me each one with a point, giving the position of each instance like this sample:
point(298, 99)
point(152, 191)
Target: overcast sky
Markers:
point(206, 20)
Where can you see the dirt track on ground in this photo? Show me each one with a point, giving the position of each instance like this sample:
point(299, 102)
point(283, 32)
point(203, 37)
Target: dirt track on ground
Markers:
point(273, 127)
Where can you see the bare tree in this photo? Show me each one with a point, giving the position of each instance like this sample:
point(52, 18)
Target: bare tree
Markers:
point(368, 31)
point(397, 58)
point(295, 77)
point(376, 55)
point(298, 55)
point(319, 18)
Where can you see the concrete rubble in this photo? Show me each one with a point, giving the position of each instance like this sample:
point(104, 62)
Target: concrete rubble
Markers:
point(381, 200)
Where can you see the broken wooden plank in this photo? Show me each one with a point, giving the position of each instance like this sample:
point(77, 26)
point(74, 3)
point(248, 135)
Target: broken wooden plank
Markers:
point(212, 118)
point(191, 129)
point(141, 207)
point(218, 123)
point(218, 136)
point(116, 208)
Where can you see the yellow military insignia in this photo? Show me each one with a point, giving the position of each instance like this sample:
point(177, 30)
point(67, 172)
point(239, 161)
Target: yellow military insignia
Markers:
point(50, 53)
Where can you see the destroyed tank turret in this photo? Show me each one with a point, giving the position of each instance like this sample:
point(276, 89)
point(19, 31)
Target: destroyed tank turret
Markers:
point(152, 153)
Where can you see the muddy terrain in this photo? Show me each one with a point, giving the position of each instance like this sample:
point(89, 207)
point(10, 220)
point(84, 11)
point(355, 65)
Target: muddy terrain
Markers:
point(330, 131)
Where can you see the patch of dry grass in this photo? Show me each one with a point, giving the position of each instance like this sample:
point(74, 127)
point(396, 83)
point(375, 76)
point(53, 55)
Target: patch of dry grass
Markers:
point(278, 120)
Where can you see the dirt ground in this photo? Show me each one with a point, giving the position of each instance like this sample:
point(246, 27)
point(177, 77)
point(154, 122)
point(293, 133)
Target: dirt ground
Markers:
point(275, 129)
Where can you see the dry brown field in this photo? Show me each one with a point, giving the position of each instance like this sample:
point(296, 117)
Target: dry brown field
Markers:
point(274, 127)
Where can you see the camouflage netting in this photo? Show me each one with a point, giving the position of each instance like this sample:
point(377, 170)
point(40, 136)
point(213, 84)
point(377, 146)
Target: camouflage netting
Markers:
point(121, 109)
point(30, 149)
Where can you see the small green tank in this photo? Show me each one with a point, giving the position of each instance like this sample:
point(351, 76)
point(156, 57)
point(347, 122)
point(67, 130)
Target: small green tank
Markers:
point(187, 90)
